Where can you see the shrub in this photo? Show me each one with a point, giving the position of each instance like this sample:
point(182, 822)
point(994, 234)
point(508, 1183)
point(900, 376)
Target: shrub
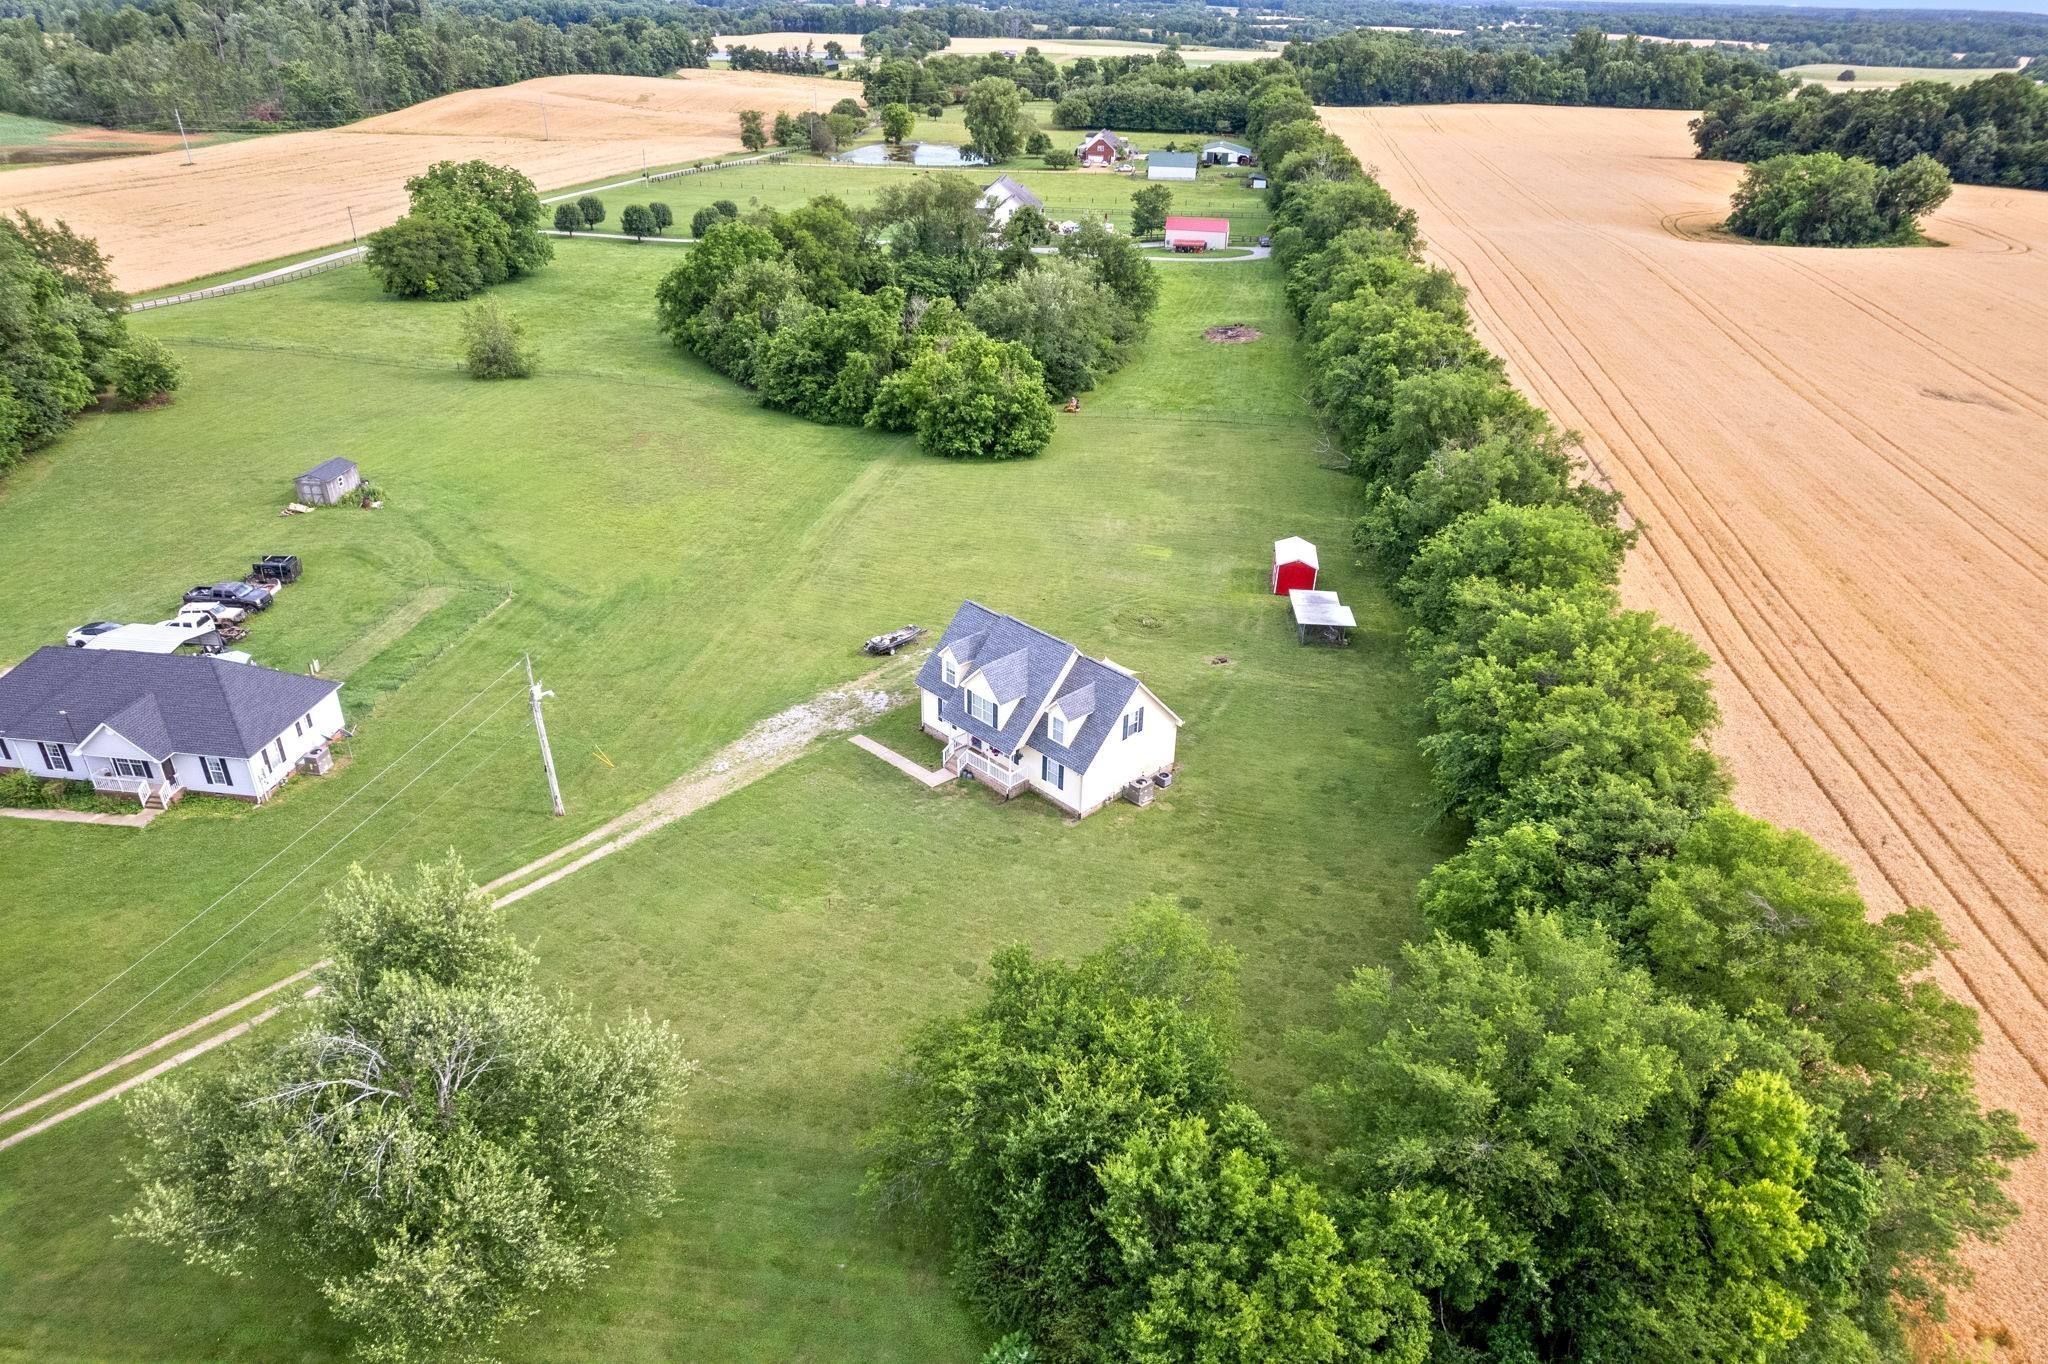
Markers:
point(974, 398)
point(21, 790)
point(493, 343)
point(568, 218)
point(146, 369)
point(1058, 160)
point(420, 257)
point(1823, 199)
point(1038, 144)
point(849, 108)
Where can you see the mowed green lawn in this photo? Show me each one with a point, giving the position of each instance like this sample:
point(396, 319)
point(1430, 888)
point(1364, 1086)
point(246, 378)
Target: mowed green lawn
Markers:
point(682, 564)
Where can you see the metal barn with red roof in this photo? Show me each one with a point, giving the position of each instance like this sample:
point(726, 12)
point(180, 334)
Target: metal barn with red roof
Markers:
point(1198, 234)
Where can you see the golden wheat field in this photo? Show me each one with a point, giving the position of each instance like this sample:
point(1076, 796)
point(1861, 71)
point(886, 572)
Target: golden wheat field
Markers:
point(1841, 465)
point(1194, 54)
point(163, 221)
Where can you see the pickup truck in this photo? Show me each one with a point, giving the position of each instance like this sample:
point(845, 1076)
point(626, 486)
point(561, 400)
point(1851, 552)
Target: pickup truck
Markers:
point(213, 612)
point(235, 594)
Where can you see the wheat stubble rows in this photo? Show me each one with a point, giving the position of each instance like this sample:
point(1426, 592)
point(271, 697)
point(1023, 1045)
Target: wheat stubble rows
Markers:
point(1841, 463)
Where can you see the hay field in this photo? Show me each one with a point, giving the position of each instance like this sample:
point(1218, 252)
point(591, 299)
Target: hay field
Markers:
point(1838, 458)
point(163, 221)
point(1193, 54)
point(1885, 77)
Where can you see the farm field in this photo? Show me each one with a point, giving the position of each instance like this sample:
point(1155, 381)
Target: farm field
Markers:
point(1193, 54)
point(1884, 77)
point(1837, 458)
point(163, 222)
point(683, 564)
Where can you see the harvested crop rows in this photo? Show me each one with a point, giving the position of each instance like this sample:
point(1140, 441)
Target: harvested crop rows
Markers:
point(163, 221)
point(1838, 460)
point(1194, 54)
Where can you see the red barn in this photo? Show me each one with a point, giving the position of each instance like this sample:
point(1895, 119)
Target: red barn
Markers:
point(1294, 566)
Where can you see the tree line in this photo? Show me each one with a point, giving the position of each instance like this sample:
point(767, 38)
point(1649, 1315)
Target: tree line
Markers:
point(911, 315)
point(1988, 132)
point(64, 339)
point(264, 64)
point(1657, 1088)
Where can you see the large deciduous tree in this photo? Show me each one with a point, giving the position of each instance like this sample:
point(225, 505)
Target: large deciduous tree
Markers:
point(971, 397)
point(434, 1145)
point(994, 111)
point(471, 225)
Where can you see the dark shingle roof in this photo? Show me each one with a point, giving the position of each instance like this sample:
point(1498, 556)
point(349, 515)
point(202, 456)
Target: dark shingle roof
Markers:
point(163, 703)
point(332, 468)
point(1009, 676)
point(1107, 691)
point(1013, 191)
point(1043, 659)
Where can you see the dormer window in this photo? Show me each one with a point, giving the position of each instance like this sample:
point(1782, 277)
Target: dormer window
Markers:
point(981, 708)
point(1056, 727)
point(948, 673)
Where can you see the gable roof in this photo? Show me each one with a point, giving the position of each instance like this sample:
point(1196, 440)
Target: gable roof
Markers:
point(1108, 690)
point(330, 468)
point(1226, 145)
point(1181, 160)
point(162, 703)
point(1294, 550)
point(1025, 661)
point(1004, 189)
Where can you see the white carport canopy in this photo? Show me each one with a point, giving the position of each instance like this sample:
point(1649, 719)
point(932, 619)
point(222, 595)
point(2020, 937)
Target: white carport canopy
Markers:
point(148, 639)
point(1320, 608)
point(1295, 550)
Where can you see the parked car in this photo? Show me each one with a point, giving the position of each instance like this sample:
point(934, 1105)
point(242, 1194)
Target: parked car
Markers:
point(278, 568)
point(77, 638)
point(234, 656)
point(216, 612)
point(236, 594)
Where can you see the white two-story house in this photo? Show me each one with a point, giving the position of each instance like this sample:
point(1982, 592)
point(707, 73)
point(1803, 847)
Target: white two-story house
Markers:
point(156, 726)
point(1018, 708)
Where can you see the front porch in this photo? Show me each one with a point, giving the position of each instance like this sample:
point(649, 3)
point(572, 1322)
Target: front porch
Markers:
point(965, 758)
point(150, 792)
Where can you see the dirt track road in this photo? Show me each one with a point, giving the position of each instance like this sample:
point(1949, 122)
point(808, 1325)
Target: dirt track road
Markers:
point(162, 221)
point(1841, 458)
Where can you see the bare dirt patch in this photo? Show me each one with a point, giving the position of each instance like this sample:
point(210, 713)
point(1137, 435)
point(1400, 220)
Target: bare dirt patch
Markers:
point(1234, 334)
point(1867, 566)
point(163, 221)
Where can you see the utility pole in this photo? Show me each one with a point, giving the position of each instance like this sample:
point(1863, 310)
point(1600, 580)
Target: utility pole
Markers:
point(543, 118)
point(352, 223)
point(181, 133)
point(540, 727)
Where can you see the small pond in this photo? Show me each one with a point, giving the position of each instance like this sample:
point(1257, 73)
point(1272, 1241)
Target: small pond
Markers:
point(910, 154)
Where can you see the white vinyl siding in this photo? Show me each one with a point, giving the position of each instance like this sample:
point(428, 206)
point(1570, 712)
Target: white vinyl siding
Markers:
point(1134, 723)
point(1054, 774)
point(216, 771)
point(55, 757)
point(133, 767)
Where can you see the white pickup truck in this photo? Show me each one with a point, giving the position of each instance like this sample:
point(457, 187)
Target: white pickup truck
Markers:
point(210, 613)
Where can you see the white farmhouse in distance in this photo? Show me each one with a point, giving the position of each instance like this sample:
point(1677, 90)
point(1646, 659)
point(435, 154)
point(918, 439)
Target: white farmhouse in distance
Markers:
point(1018, 708)
point(1003, 198)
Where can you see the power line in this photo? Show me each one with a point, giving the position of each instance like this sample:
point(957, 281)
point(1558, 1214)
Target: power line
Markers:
point(219, 899)
point(67, 1059)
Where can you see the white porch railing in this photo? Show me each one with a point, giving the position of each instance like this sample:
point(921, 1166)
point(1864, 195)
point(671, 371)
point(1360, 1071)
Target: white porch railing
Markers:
point(992, 768)
point(144, 789)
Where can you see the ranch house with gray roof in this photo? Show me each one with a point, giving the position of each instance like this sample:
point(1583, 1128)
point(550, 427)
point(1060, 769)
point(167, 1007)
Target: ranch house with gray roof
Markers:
point(1018, 708)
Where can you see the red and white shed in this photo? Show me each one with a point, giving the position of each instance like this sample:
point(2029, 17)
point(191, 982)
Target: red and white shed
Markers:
point(1294, 566)
point(1200, 234)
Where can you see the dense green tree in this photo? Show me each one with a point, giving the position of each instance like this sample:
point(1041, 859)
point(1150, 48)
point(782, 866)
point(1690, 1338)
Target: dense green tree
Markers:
point(421, 257)
point(995, 118)
point(1567, 1163)
point(145, 370)
point(58, 347)
point(592, 209)
point(1149, 207)
point(1118, 263)
point(971, 398)
point(999, 1117)
point(722, 248)
point(701, 221)
point(752, 135)
point(1061, 314)
point(636, 222)
point(831, 249)
point(662, 216)
point(829, 366)
point(897, 122)
point(568, 218)
point(494, 343)
point(435, 1144)
point(1522, 548)
point(1036, 143)
point(937, 235)
point(732, 330)
point(1225, 1257)
point(788, 132)
point(77, 260)
point(1510, 467)
point(1822, 199)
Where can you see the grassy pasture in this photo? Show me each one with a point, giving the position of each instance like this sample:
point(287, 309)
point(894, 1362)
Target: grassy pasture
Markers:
point(1869, 77)
point(682, 564)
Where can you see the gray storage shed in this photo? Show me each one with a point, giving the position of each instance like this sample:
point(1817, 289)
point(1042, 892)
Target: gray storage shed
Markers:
point(1319, 618)
point(326, 484)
